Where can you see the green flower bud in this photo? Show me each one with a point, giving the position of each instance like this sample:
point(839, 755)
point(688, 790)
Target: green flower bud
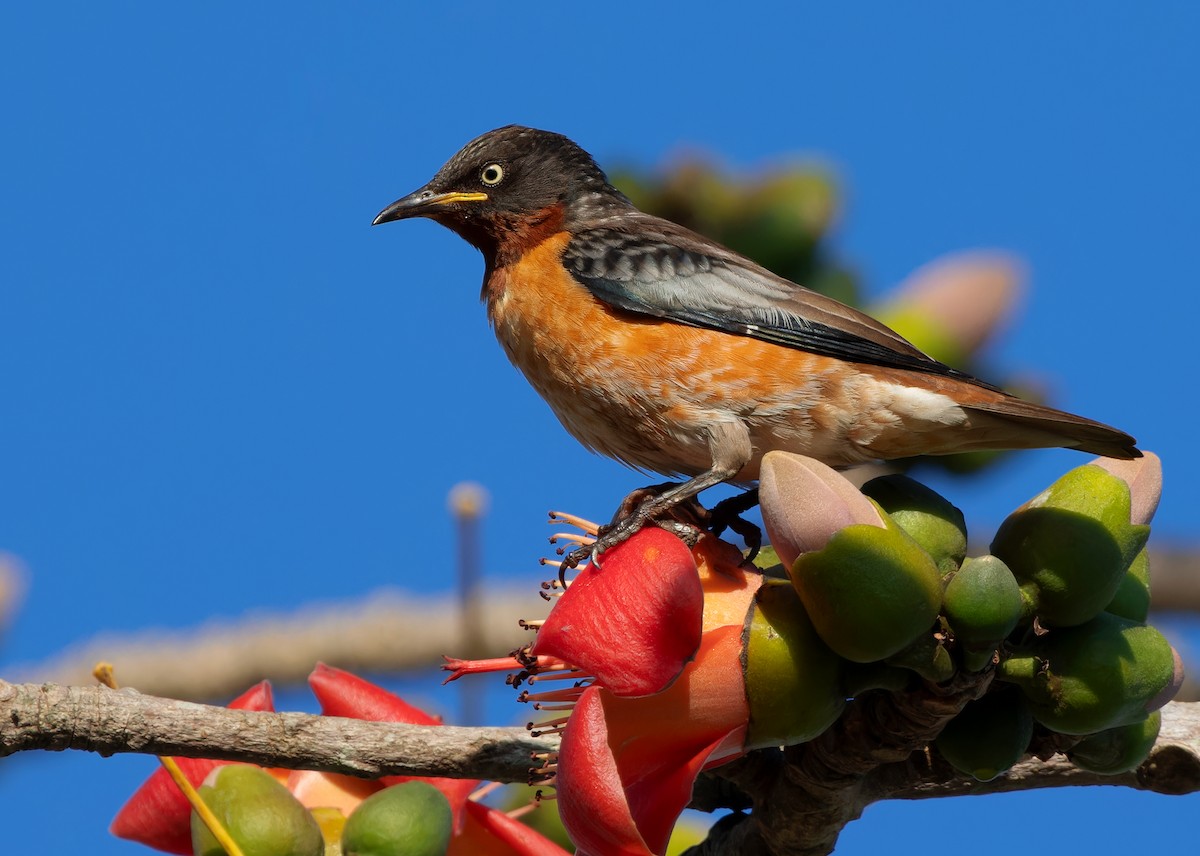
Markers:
point(1117, 750)
point(1132, 599)
point(259, 813)
point(1100, 675)
point(988, 736)
point(412, 819)
point(793, 681)
point(1071, 545)
point(982, 606)
point(925, 515)
point(870, 591)
point(928, 657)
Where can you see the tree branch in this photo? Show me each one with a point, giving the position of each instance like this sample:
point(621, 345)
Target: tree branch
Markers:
point(97, 719)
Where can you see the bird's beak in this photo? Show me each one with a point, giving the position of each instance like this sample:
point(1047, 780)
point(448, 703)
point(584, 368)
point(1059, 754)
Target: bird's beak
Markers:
point(423, 203)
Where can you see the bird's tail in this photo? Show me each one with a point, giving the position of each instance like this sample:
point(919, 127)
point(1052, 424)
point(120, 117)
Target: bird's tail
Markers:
point(1032, 426)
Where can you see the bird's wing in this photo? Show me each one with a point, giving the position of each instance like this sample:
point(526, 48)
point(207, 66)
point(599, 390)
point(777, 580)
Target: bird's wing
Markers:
point(653, 267)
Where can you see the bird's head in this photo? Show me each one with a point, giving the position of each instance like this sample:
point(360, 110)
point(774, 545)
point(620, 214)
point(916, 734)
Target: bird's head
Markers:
point(506, 182)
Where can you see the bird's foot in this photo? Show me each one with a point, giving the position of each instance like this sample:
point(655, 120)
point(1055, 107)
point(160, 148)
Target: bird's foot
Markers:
point(632, 514)
point(686, 519)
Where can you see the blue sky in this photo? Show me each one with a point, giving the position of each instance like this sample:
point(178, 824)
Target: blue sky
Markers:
point(222, 391)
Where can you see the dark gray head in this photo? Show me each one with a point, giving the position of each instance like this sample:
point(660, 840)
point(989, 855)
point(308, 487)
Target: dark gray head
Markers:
point(505, 182)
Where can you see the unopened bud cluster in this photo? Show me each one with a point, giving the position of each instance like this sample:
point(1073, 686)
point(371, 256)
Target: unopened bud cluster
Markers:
point(1057, 608)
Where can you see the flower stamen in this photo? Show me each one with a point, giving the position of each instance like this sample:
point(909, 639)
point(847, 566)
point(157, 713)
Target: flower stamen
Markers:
point(485, 789)
point(521, 811)
point(573, 537)
point(570, 694)
point(572, 674)
point(572, 520)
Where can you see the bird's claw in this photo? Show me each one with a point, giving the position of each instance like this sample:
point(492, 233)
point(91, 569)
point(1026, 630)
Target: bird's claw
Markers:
point(575, 558)
point(687, 520)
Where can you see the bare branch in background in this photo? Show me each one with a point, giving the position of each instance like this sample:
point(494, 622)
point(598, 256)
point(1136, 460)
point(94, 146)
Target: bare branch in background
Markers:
point(1175, 578)
point(12, 588)
point(388, 631)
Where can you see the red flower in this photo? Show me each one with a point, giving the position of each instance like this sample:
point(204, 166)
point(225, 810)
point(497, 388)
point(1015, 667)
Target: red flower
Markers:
point(635, 624)
point(627, 765)
point(653, 643)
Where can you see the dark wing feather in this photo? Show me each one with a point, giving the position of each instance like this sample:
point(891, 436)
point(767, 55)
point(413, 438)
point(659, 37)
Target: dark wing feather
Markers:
point(649, 266)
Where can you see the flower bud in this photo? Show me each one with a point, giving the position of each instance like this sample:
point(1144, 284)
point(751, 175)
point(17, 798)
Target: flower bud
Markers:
point(793, 681)
point(412, 819)
point(804, 502)
point(1117, 750)
point(1132, 599)
point(1100, 675)
point(989, 735)
point(1071, 545)
point(927, 656)
point(925, 515)
point(870, 591)
point(983, 604)
point(258, 812)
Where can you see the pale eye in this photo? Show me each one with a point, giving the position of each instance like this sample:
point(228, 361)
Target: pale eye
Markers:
point(492, 174)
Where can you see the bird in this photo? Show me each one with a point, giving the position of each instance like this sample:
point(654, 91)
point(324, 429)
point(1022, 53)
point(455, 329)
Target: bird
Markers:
point(672, 354)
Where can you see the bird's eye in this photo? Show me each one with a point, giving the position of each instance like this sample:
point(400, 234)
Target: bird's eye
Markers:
point(492, 174)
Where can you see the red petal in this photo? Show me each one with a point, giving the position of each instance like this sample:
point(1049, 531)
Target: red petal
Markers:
point(591, 798)
point(341, 693)
point(258, 697)
point(158, 814)
point(344, 694)
point(627, 765)
point(633, 623)
point(491, 832)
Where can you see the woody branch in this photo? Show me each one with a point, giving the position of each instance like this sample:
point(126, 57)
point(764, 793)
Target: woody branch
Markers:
point(97, 719)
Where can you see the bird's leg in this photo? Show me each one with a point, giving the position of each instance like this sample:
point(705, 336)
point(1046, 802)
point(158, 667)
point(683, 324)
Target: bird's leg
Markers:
point(729, 444)
point(635, 498)
point(728, 514)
